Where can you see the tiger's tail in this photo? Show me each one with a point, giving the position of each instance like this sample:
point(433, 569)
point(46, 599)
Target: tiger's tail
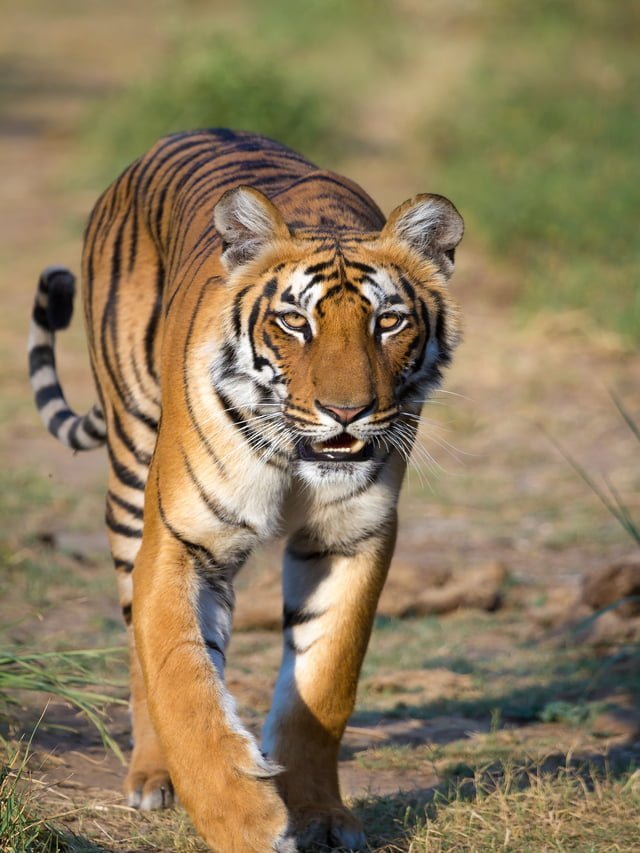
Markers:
point(52, 311)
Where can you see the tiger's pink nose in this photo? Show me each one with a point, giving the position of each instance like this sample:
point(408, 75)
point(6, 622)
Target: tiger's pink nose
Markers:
point(346, 415)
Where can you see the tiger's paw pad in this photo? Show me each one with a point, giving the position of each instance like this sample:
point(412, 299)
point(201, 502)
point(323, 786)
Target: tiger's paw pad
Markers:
point(149, 791)
point(336, 828)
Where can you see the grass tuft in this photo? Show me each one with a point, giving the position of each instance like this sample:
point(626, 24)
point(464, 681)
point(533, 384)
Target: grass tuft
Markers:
point(607, 493)
point(66, 675)
point(22, 829)
point(522, 809)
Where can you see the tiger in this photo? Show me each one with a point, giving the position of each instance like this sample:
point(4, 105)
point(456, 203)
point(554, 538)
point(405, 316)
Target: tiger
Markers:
point(262, 341)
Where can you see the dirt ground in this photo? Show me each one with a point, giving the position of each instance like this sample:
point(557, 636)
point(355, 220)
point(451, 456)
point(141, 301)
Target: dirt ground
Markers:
point(492, 516)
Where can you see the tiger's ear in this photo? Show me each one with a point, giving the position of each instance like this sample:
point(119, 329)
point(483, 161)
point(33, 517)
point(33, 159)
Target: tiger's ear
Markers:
point(246, 221)
point(431, 225)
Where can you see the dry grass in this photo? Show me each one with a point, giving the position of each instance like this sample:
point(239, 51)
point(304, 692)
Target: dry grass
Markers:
point(23, 829)
point(533, 810)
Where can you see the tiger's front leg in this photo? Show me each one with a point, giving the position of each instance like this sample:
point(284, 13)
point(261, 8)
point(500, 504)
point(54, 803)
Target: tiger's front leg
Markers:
point(182, 618)
point(329, 606)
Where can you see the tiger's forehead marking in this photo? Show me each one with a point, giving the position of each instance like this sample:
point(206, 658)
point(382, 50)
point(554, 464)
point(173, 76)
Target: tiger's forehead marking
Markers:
point(308, 284)
point(380, 288)
point(305, 288)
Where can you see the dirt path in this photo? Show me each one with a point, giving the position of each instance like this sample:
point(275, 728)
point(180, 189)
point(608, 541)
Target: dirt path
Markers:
point(497, 492)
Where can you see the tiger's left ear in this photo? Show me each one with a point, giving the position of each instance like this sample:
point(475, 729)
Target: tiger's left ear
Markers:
point(431, 225)
point(247, 222)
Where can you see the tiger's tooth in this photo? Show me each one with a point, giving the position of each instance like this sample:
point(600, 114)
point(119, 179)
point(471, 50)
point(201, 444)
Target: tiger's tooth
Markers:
point(321, 447)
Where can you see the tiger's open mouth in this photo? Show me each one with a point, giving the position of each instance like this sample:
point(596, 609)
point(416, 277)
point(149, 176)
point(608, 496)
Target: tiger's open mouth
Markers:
point(340, 448)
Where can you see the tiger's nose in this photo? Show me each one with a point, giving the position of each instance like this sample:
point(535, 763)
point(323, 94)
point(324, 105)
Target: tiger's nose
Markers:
point(346, 415)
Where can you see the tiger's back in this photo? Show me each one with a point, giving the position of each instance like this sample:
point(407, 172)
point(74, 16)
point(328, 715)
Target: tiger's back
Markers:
point(262, 343)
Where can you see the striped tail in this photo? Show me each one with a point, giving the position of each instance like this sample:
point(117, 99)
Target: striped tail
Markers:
point(52, 310)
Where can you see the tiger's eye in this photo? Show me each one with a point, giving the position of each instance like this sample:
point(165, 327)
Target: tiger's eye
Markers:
point(295, 321)
point(389, 321)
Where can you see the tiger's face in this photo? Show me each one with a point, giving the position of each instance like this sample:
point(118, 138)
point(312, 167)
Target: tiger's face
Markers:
point(333, 344)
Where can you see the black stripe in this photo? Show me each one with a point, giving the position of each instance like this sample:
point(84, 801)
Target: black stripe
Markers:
point(132, 509)
point(73, 435)
point(228, 360)
point(41, 356)
point(187, 393)
point(58, 419)
point(159, 213)
point(40, 317)
point(258, 361)
point(141, 456)
point(220, 512)
point(108, 325)
point(237, 309)
point(87, 425)
point(266, 337)
point(346, 549)
point(123, 565)
point(214, 648)
point(199, 255)
point(212, 573)
point(133, 245)
point(321, 266)
point(127, 614)
point(152, 324)
point(253, 440)
point(193, 547)
point(126, 476)
point(119, 528)
point(47, 394)
point(163, 156)
point(408, 288)
point(424, 312)
point(293, 616)
point(441, 328)
point(368, 205)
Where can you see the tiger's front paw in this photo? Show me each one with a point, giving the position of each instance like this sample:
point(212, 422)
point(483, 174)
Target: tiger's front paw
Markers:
point(149, 789)
point(239, 811)
point(333, 827)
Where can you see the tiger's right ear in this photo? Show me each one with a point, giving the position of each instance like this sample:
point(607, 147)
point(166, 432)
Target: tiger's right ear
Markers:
point(247, 222)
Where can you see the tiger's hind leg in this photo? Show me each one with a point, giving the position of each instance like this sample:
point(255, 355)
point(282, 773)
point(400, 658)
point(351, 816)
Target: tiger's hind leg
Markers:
point(122, 281)
point(147, 785)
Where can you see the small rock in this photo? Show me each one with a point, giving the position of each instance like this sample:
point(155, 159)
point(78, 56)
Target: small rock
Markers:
point(613, 583)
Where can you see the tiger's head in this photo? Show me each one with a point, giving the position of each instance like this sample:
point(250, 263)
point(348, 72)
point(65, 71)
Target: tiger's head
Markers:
point(332, 341)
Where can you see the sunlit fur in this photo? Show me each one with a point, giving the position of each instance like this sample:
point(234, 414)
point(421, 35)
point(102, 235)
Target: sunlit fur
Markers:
point(233, 301)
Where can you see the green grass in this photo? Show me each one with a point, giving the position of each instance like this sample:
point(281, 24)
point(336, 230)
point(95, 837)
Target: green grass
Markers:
point(541, 154)
point(70, 676)
point(209, 83)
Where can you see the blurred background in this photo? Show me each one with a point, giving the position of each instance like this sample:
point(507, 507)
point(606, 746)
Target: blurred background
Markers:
point(527, 116)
